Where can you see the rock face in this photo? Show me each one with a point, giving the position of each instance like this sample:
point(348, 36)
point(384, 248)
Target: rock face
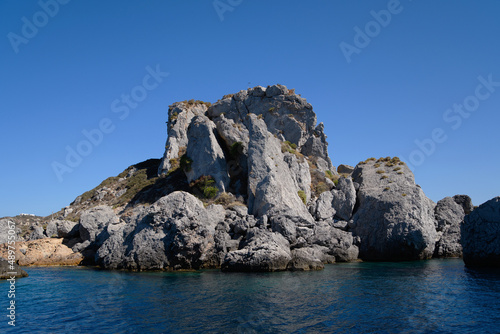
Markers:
point(344, 198)
point(449, 215)
point(205, 153)
point(179, 117)
point(271, 188)
point(176, 232)
point(481, 235)
point(465, 202)
point(62, 229)
point(93, 224)
point(394, 218)
point(6, 270)
point(264, 251)
point(43, 252)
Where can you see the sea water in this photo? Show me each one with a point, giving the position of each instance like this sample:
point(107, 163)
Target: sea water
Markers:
point(437, 296)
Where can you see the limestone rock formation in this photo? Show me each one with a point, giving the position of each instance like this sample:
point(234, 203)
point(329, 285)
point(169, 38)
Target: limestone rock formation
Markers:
point(344, 198)
point(246, 184)
point(449, 215)
point(176, 232)
point(62, 229)
point(338, 244)
point(309, 258)
point(481, 235)
point(205, 154)
point(394, 218)
point(180, 115)
point(263, 251)
point(271, 188)
point(465, 202)
point(43, 252)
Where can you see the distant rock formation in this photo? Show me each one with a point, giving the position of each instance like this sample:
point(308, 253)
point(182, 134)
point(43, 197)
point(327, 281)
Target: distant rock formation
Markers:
point(481, 235)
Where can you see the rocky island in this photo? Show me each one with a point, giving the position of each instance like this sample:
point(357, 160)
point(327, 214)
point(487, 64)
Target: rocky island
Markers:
point(246, 184)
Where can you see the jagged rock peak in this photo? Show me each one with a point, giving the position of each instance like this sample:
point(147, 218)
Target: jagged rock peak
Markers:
point(288, 117)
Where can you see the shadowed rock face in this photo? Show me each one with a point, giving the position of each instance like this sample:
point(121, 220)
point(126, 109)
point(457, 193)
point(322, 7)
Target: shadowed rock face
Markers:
point(176, 232)
point(481, 235)
point(394, 218)
point(449, 215)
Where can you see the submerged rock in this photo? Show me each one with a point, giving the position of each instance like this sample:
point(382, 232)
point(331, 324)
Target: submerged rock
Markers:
point(481, 235)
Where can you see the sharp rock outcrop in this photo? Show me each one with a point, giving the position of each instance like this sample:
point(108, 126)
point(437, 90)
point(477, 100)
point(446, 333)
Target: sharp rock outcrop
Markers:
point(394, 219)
point(481, 235)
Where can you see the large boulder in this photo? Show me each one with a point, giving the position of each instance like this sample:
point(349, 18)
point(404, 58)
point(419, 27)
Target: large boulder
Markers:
point(394, 219)
point(337, 243)
point(94, 222)
point(37, 233)
point(344, 198)
point(323, 208)
point(62, 229)
point(309, 258)
point(263, 251)
point(481, 235)
point(449, 216)
point(176, 232)
point(338, 202)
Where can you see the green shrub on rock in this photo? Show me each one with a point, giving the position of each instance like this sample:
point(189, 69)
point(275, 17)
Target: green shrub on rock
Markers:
point(186, 163)
point(302, 196)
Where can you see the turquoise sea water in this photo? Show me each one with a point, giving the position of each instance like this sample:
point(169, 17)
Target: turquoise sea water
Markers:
point(438, 296)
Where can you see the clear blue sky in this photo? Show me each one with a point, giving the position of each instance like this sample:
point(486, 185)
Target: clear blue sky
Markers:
point(396, 89)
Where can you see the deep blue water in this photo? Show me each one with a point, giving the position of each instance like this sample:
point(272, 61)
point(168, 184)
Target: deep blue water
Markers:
point(438, 296)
